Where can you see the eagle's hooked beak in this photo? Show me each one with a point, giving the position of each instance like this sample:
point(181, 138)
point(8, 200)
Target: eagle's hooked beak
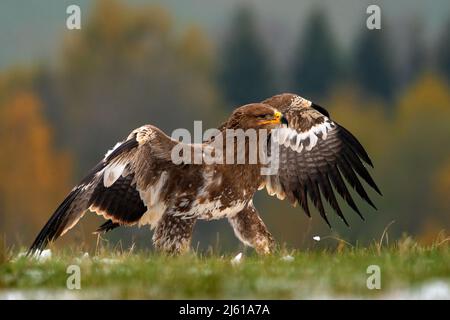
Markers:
point(278, 118)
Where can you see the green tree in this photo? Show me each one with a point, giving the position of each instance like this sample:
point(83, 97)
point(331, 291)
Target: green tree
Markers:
point(443, 53)
point(316, 62)
point(372, 65)
point(246, 72)
point(415, 55)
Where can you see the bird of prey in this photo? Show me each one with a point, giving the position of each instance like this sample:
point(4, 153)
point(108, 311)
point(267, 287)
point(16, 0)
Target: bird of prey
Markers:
point(138, 183)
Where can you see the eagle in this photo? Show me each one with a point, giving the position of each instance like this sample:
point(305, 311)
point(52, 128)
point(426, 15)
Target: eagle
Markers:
point(138, 183)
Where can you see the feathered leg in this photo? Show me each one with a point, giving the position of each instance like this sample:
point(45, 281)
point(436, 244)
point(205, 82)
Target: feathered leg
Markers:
point(173, 234)
point(251, 230)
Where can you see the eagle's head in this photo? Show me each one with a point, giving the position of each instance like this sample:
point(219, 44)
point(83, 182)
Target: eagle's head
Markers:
point(256, 116)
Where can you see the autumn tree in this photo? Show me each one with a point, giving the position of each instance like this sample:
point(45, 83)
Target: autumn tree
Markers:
point(35, 176)
point(417, 154)
point(128, 67)
point(441, 192)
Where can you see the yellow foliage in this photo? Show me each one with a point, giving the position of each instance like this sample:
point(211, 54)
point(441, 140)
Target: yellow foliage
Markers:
point(409, 149)
point(121, 31)
point(195, 49)
point(34, 177)
point(442, 185)
point(366, 118)
point(424, 103)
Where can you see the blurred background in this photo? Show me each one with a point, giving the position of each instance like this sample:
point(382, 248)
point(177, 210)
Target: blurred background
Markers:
point(66, 96)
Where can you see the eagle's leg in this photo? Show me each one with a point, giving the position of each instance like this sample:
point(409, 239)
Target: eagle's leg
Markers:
point(251, 230)
point(173, 234)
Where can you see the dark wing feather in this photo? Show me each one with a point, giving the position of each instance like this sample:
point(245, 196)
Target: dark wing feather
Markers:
point(113, 186)
point(121, 201)
point(316, 154)
point(56, 224)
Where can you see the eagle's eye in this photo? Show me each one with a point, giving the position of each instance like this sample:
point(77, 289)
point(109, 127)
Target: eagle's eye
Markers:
point(265, 116)
point(274, 118)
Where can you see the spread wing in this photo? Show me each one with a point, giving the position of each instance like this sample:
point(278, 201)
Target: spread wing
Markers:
point(121, 187)
point(317, 154)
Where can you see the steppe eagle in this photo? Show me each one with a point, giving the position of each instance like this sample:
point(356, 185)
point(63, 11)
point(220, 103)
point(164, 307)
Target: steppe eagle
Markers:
point(138, 183)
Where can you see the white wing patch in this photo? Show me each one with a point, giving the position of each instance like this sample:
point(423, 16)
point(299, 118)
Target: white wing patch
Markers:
point(291, 138)
point(152, 200)
point(112, 172)
point(110, 151)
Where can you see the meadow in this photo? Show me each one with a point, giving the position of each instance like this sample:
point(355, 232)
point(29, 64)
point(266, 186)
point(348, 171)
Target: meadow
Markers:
point(407, 270)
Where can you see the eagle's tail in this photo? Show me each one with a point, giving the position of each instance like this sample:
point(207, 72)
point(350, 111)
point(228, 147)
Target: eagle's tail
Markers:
point(65, 217)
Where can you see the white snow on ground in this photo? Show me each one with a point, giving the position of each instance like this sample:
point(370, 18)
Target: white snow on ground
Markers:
point(43, 294)
point(433, 290)
point(436, 289)
point(288, 258)
point(237, 259)
point(44, 256)
point(41, 257)
point(107, 260)
point(82, 258)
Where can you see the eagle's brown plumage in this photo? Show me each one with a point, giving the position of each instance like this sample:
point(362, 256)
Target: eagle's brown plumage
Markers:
point(138, 183)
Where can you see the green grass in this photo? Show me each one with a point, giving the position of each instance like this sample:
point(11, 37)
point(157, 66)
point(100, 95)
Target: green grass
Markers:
point(336, 273)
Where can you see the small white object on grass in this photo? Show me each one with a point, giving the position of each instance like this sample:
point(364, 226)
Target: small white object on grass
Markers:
point(20, 255)
point(84, 257)
point(317, 238)
point(108, 260)
point(287, 258)
point(43, 255)
point(237, 259)
point(38, 255)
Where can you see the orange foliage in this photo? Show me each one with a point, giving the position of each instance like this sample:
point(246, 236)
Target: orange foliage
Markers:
point(34, 176)
point(442, 186)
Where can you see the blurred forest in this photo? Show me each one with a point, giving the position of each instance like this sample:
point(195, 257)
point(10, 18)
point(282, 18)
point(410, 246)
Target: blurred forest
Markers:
point(131, 65)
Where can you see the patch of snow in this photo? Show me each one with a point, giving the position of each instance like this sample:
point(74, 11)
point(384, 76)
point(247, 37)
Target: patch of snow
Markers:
point(39, 256)
point(288, 258)
point(44, 255)
point(44, 294)
point(237, 259)
point(108, 261)
point(34, 274)
point(20, 256)
point(84, 257)
point(433, 290)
